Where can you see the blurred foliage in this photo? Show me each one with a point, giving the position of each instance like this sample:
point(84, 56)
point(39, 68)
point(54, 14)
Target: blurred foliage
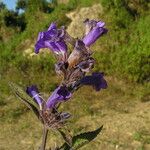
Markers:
point(21, 4)
point(12, 19)
point(2, 6)
point(127, 50)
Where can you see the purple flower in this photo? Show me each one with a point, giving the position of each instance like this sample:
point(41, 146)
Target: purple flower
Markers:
point(96, 80)
point(94, 29)
point(86, 65)
point(34, 93)
point(60, 94)
point(53, 39)
point(65, 115)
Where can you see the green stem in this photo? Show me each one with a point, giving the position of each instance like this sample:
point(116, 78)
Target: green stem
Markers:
point(45, 132)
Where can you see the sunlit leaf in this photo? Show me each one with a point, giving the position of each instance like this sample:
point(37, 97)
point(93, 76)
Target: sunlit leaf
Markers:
point(82, 139)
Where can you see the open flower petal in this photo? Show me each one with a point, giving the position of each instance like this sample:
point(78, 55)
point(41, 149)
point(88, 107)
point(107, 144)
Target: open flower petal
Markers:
point(96, 80)
point(60, 94)
point(52, 26)
point(54, 39)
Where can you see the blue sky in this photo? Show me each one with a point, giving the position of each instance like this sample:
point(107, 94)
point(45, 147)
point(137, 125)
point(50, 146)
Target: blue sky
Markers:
point(9, 3)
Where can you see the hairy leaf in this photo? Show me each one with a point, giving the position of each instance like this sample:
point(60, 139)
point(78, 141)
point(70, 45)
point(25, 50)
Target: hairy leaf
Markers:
point(66, 136)
point(80, 140)
point(27, 100)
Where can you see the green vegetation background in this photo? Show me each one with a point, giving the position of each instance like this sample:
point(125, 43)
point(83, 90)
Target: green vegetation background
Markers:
point(124, 53)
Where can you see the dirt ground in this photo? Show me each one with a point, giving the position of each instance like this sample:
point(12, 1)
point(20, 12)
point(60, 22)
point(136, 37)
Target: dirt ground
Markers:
point(119, 108)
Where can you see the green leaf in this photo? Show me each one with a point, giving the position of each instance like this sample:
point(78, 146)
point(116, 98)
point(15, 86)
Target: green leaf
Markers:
point(27, 100)
point(66, 135)
point(80, 140)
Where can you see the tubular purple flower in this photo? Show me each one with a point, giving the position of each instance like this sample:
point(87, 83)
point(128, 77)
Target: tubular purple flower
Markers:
point(94, 30)
point(53, 39)
point(33, 92)
point(60, 94)
point(96, 80)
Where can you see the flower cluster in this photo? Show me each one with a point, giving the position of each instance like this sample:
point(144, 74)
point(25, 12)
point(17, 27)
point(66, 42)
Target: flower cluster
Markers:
point(72, 66)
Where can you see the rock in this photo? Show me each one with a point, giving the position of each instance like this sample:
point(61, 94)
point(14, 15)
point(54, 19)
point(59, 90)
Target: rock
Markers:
point(76, 27)
point(29, 52)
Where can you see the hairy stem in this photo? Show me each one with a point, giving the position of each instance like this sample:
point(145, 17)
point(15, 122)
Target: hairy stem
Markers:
point(45, 132)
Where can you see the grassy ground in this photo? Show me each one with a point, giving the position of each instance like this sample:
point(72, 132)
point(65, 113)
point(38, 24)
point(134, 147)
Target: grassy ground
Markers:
point(121, 109)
